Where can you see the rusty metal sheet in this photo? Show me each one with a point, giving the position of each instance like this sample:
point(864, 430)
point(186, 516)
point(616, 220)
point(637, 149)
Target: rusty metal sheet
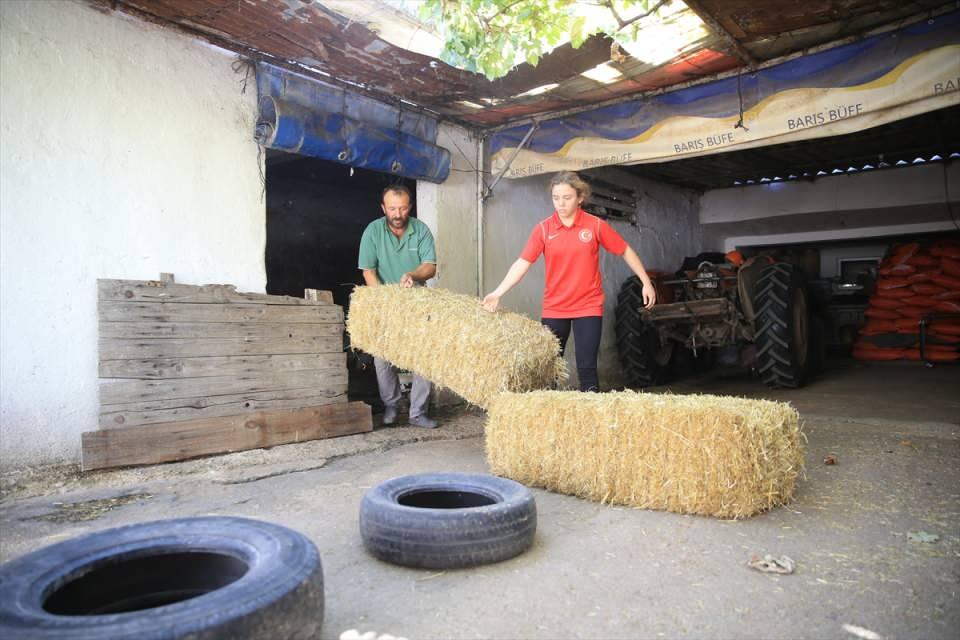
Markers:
point(304, 32)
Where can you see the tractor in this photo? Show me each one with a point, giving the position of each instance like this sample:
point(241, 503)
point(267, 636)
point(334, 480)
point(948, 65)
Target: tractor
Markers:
point(756, 313)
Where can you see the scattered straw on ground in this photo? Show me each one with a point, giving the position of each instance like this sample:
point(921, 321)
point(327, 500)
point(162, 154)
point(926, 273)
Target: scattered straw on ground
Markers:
point(449, 339)
point(708, 455)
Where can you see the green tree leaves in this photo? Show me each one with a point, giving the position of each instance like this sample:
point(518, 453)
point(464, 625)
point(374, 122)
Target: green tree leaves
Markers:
point(491, 36)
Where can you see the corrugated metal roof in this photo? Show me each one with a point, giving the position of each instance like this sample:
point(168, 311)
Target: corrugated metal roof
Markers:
point(321, 41)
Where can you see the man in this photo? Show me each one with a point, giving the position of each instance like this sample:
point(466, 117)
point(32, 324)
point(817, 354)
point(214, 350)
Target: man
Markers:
point(398, 249)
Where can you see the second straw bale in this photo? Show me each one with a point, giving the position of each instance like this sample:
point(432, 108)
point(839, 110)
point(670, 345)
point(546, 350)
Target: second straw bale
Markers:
point(449, 339)
point(709, 455)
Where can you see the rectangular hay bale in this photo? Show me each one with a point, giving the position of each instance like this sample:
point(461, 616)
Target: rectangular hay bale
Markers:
point(451, 340)
point(708, 455)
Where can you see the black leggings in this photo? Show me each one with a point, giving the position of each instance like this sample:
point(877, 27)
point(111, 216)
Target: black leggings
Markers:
point(586, 336)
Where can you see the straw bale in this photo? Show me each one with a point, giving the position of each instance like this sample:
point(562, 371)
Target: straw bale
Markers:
point(708, 455)
point(451, 340)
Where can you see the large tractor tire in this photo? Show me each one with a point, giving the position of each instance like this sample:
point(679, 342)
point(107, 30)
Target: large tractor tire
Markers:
point(645, 361)
point(782, 326)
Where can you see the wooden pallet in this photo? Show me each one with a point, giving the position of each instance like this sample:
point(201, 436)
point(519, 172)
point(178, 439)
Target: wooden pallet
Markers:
point(193, 370)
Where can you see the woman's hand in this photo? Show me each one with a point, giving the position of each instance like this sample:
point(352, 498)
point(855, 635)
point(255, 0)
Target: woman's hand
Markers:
point(649, 295)
point(491, 302)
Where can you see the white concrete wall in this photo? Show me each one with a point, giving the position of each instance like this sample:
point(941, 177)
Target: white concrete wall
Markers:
point(450, 210)
point(667, 230)
point(913, 199)
point(126, 151)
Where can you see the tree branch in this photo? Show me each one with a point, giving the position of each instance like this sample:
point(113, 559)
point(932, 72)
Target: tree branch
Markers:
point(624, 23)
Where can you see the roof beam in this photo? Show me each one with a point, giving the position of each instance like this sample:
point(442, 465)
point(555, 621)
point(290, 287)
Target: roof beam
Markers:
point(697, 7)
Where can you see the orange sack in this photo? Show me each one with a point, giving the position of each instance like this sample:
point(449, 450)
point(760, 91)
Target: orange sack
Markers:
point(950, 266)
point(926, 289)
point(873, 327)
point(948, 306)
point(921, 260)
point(887, 303)
point(862, 353)
point(897, 270)
point(919, 301)
point(896, 294)
point(951, 328)
point(912, 312)
point(907, 325)
point(893, 283)
point(903, 252)
point(926, 275)
point(946, 281)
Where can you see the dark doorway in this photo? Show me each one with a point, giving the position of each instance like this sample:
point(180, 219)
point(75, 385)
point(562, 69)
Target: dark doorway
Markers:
point(316, 213)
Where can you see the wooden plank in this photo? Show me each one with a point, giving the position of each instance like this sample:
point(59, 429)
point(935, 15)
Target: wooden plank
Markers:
point(159, 291)
point(243, 401)
point(318, 295)
point(218, 330)
point(158, 411)
point(157, 368)
point(224, 312)
point(116, 349)
point(144, 390)
point(180, 440)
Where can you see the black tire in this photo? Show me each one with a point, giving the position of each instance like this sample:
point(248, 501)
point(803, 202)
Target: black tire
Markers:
point(447, 520)
point(202, 578)
point(644, 360)
point(781, 326)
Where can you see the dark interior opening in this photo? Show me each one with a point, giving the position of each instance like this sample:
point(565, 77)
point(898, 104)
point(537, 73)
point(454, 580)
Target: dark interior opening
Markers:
point(316, 212)
point(121, 584)
point(439, 499)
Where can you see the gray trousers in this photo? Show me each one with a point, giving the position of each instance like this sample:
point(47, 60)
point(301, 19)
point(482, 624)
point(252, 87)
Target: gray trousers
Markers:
point(389, 385)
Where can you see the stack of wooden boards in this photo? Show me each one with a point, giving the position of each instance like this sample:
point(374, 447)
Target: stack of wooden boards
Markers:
point(916, 283)
point(194, 370)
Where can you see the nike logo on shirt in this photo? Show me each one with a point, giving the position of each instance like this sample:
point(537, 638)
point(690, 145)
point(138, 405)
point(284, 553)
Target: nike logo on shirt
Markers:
point(553, 236)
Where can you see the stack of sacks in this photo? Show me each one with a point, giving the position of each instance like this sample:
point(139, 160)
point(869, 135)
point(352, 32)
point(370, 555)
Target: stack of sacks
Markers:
point(708, 455)
point(914, 282)
point(451, 340)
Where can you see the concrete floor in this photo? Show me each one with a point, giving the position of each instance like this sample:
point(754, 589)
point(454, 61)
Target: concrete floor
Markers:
point(598, 571)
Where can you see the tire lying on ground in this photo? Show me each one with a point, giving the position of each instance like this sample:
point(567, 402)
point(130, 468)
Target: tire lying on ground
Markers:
point(197, 578)
point(447, 520)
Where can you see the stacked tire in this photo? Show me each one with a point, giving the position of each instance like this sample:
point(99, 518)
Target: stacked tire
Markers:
point(915, 283)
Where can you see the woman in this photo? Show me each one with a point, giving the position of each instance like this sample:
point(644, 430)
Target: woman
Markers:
point(570, 242)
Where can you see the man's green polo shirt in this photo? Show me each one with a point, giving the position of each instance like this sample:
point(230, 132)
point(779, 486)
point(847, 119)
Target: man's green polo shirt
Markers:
point(381, 250)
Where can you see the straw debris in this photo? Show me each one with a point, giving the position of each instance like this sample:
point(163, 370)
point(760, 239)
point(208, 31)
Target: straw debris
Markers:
point(449, 339)
point(700, 454)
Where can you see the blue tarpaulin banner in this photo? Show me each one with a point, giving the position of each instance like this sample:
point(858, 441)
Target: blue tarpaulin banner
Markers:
point(305, 116)
point(849, 88)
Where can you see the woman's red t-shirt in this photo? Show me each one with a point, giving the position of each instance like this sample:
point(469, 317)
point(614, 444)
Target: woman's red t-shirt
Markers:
point(571, 255)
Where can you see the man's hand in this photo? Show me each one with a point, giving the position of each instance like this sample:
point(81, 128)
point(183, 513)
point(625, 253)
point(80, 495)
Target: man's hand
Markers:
point(406, 280)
